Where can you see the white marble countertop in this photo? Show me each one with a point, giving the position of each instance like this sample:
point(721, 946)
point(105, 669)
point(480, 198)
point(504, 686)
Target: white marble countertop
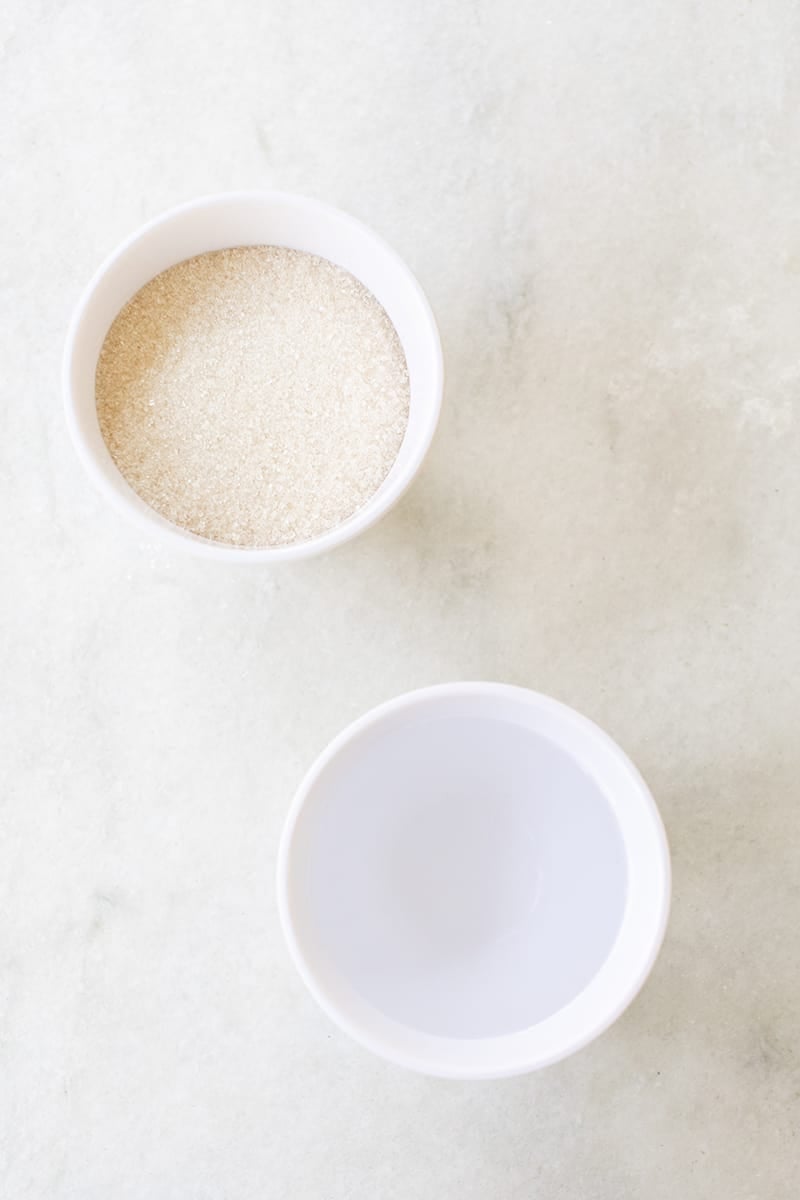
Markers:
point(601, 200)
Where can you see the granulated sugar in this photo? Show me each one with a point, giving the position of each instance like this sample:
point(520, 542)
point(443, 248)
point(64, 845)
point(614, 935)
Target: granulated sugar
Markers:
point(257, 396)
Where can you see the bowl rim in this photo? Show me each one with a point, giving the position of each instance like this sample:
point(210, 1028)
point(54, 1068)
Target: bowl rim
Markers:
point(153, 523)
point(585, 1017)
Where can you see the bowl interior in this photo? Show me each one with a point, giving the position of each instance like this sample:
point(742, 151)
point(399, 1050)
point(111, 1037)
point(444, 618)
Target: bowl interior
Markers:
point(251, 219)
point(463, 873)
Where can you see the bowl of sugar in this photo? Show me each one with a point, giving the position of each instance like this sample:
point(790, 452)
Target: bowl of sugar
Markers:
point(253, 376)
point(473, 881)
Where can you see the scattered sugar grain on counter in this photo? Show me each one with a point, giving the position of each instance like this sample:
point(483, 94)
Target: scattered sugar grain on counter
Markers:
point(256, 396)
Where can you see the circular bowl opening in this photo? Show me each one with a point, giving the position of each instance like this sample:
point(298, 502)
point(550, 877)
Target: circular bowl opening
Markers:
point(242, 219)
point(473, 880)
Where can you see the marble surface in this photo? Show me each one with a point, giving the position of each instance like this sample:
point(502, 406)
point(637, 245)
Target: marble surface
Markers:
point(601, 200)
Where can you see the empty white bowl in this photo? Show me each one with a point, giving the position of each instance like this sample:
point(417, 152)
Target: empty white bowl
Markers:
point(473, 880)
point(240, 219)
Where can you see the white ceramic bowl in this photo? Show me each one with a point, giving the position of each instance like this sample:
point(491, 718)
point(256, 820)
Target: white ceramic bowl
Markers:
point(473, 880)
point(237, 219)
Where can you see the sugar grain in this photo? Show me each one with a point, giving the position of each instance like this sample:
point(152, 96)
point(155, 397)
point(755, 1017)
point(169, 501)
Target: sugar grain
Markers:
point(256, 396)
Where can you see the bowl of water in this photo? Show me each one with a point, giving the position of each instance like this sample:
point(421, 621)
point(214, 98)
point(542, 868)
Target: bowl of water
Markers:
point(473, 880)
